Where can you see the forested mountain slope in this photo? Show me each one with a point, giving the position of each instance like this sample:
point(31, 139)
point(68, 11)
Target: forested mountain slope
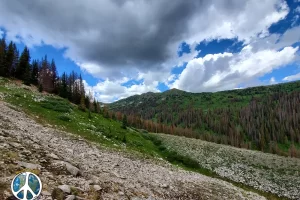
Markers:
point(265, 118)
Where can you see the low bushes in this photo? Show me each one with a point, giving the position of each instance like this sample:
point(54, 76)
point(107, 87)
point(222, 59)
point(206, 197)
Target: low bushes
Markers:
point(171, 155)
point(57, 105)
point(64, 118)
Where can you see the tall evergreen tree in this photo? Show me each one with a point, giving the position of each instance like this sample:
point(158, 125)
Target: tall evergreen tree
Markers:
point(9, 59)
point(63, 91)
point(124, 122)
point(2, 57)
point(23, 69)
point(54, 75)
point(27, 75)
point(34, 73)
point(15, 61)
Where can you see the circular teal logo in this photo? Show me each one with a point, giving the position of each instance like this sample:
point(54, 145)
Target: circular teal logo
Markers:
point(26, 186)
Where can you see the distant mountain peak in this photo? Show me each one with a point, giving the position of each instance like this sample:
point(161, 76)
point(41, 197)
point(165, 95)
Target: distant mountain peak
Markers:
point(173, 91)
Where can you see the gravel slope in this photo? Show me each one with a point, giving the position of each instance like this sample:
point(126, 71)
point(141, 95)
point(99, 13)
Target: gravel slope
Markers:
point(117, 175)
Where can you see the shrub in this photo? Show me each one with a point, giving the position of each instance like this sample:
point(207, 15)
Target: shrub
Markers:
point(18, 95)
point(57, 105)
point(64, 118)
point(124, 139)
point(58, 194)
point(40, 88)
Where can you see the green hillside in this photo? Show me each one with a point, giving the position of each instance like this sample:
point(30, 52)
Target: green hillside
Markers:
point(265, 118)
point(204, 100)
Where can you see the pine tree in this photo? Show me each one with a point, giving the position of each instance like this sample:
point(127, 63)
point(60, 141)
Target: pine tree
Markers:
point(2, 57)
point(124, 122)
point(113, 117)
point(27, 75)
point(54, 76)
point(23, 69)
point(9, 60)
point(15, 61)
point(82, 103)
point(63, 91)
point(90, 114)
point(34, 73)
point(94, 105)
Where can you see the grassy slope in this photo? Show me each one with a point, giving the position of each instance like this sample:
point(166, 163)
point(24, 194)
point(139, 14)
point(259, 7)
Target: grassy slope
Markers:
point(204, 100)
point(58, 112)
point(235, 99)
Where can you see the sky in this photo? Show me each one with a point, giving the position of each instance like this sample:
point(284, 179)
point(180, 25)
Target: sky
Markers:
point(129, 47)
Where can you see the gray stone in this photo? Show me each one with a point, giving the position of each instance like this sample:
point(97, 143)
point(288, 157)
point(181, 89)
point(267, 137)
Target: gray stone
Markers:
point(65, 188)
point(52, 155)
point(29, 165)
point(46, 193)
point(73, 170)
point(4, 146)
point(71, 197)
point(97, 187)
point(15, 145)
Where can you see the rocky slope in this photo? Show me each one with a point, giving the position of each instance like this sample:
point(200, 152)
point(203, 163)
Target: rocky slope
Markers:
point(71, 167)
point(267, 172)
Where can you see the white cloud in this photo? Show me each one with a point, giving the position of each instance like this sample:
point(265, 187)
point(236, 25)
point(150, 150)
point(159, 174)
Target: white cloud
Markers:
point(277, 41)
point(109, 91)
point(254, 19)
point(272, 80)
point(227, 71)
point(294, 21)
point(292, 77)
point(297, 9)
point(1, 33)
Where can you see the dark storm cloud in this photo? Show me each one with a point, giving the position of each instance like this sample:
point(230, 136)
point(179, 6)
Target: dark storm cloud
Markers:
point(108, 37)
point(112, 33)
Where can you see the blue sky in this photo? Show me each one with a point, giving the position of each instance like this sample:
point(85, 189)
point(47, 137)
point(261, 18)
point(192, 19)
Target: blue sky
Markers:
point(197, 48)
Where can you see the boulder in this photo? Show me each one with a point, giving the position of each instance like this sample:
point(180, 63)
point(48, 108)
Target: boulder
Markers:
point(65, 188)
point(97, 187)
point(46, 193)
point(72, 169)
point(29, 165)
point(71, 197)
point(52, 155)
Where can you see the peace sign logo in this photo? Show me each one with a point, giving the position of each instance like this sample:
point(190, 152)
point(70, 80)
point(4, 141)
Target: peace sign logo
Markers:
point(26, 186)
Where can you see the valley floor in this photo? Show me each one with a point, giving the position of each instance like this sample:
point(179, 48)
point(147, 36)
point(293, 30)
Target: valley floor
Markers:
point(92, 171)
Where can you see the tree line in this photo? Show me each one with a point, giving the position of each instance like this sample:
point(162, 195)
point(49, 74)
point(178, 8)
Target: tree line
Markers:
point(270, 123)
point(43, 74)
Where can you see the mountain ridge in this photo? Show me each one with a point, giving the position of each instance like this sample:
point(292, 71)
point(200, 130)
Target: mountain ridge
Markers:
point(239, 117)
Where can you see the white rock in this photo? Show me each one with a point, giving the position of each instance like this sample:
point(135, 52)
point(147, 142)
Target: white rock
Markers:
point(52, 155)
point(29, 165)
point(46, 193)
point(65, 188)
point(71, 197)
point(97, 187)
point(73, 170)
point(15, 145)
